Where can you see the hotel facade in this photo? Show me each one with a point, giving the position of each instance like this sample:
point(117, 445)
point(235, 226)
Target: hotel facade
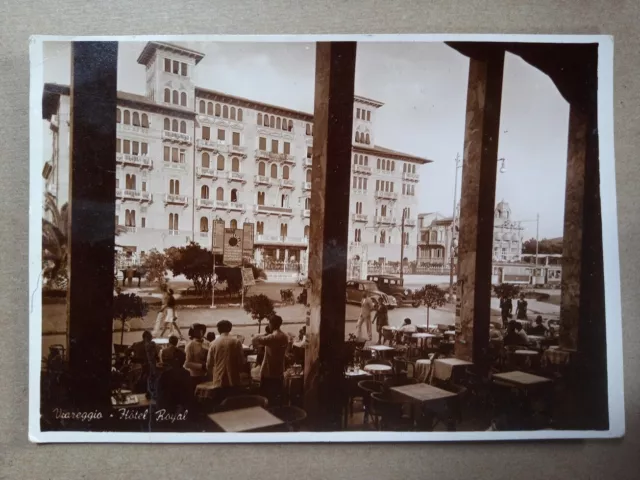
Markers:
point(187, 156)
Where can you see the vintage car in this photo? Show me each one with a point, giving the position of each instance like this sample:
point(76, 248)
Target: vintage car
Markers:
point(357, 288)
point(394, 287)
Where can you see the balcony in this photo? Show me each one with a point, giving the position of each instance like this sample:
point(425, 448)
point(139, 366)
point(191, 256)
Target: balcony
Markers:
point(358, 191)
point(136, 195)
point(362, 169)
point(275, 157)
point(132, 128)
point(308, 161)
point(287, 183)
point(411, 177)
point(130, 229)
point(306, 213)
point(280, 240)
point(384, 220)
point(176, 137)
point(360, 217)
point(409, 222)
point(238, 150)
point(204, 235)
point(204, 203)
point(269, 210)
point(262, 180)
point(213, 145)
point(175, 165)
point(135, 160)
point(206, 172)
point(173, 199)
point(386, 195)
point(235, 177)
point(306, 186)
point(229, 206)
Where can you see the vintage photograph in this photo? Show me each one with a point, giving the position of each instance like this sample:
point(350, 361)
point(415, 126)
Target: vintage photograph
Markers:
point(367, 238)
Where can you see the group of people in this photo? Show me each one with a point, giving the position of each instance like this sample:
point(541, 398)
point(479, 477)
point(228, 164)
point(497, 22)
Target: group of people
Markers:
point(173, 374)
point(372, 310)
point(506, 309)
point(515, 333)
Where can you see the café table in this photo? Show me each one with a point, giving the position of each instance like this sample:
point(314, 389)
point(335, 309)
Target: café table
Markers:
point(245, 419)
point(423, 338)
point(133, 400)
point(418, 393)
point(381, 350)
point(421, 369)
point(526, 356)
point(449, 368)
point(377, 369)
point(521, 379)
point(556, 356)
point(161, 341)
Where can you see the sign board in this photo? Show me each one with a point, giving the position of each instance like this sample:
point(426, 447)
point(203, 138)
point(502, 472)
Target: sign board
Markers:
point(247, 277)
point(232, 255)
point(247, 240)
point(217, 237)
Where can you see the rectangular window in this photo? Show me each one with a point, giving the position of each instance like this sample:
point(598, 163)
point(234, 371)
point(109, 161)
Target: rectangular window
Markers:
point(117, 183)
point(262, 143)
point(144, 186)
point(309, 152)
point(135, 148)
point(127, 146)
point(118, 145)
point(144, 148)
point(167, 65)
point(236, 139)
point(143, 222)
point(167, 154)
point(368, 116)
point(183, 67)
point(274, 146)
point(377, 185)
point(221, 134)
point(404, 189)
point(287, 148)
point(357, 113)
point(176, 67)
point(360, 183)
point(183, 154)
point(355, 182)
point(206, 133)
point(364, 184)
point(175, 155)
point(391, 187)
point(117, 220)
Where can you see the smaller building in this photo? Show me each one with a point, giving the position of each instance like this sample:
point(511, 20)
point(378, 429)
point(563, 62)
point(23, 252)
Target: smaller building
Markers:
point(507, 235)
point(434, 240)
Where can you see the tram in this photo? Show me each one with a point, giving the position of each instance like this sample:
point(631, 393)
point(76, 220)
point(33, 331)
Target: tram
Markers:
point(548, 276)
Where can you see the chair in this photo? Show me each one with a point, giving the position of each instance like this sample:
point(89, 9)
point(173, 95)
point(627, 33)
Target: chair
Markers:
point(368, 387)
point(389, 413)
point(404, 366)
point(291, 416)
point(244, 401)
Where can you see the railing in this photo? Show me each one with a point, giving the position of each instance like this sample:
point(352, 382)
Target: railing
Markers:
point(223, 205)
point(235, 177)
point(275, 157)
point(306, 213)
point(412, 177)
point(280, 239)
point(276, 210)
point(215, 145)
point(146, 197)
point(175, 165)
point(385, 220)
point(132, 128)
point(287, 183)
point(306, 185)
point(204, 203)
point(176, 136)
point(206, 172)
point(137, 160)
point(410, 222)
point(363, 169)
point(308, 161)
point(386, 195)
point(359, 191)
point(238, 149)
point(128, 194)
point(262, 180)
point(204, 234)
point(359, 217)
point(130, 229)
point(175, 199)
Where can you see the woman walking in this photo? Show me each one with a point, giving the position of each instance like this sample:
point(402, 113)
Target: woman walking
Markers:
point(381, 319)
point(521, 309)
point(171, 320)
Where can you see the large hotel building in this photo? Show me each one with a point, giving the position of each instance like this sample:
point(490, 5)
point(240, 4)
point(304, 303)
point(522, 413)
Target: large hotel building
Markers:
point(187, 155)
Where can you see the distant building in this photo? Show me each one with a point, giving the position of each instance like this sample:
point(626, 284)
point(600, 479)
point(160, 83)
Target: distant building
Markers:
point(507, 235)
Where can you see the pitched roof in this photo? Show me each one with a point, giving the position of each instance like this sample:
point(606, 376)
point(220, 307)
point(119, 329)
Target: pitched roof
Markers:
point(151, 47)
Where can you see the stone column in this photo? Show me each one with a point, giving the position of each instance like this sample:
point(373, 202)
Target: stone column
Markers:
point(92, 207)
point(328, 242)
point(482, 130)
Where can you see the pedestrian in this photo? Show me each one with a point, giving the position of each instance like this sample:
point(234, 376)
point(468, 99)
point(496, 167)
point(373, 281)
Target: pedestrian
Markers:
point(272, 370)
point(506, 310)
point(163, 310)
point(521, 309)
point(366, 310)
point(381, 319)
point(170, 319)
point(197, 351)
point(225, 362)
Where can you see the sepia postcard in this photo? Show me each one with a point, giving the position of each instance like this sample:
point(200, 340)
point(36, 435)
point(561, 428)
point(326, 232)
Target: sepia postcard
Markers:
point(323, 238)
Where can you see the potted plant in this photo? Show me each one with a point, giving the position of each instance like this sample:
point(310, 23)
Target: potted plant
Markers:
point(126, 306)
point(259, 307)
point(432, 296)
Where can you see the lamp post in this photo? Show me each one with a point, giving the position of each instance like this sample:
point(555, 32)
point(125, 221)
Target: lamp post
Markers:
point(404, 213)
point(453, 227)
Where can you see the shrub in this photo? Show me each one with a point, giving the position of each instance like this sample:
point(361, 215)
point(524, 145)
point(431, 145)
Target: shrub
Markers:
point(126, 306)
point(432, 296)
point(260, 307)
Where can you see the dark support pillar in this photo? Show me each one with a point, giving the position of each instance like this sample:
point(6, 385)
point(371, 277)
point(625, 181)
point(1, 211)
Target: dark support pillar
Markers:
point(475, 247)
point(92, 207)
point(333, 121)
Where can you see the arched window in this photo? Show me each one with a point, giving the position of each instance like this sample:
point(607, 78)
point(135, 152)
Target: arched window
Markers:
point(290, 126)
point(306, 231)
point(274, 170)
point(239, 114)
point(233, 224)
point(209, 108)
point(204, 224)
point(225, 112)
point(262, 169)
point(204, 192)
point(434, 237)
point(232, 113)
point(167, 95)
point(220, 165)
point(383, 211)
point(135, 119)
point(261, 196)
point(174, 97)
point(174, 187)
point(307, 203)
point(167, 124)
point(174, 125)
point(234, 195)
point(272, 121)
point(259, 119)
point(118, 115)
point(285, 172)
point(202, 106)
point(219, 194)
point(284, 124)
point(366, 139)
point(265, 120)
point(383, 237)
point(206, 160)
point(183, 99)
point(308, 129)
point(218, 110)
point(278, 124)
point(357, 137)
point(145, 120)
point(308, 175)
point(127, 117)
point(235, 164)
point(183, 127)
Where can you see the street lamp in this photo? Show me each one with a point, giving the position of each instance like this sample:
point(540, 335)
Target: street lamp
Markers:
point(503, 168)
point(458, 161)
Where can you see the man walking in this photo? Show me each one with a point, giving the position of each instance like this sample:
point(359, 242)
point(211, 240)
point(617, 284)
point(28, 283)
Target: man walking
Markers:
point(366, 310)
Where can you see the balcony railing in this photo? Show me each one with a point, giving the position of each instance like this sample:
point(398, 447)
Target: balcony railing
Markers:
point(411, 177)
point(238, 150)
point(205, 203)
point(269, 210)
point(306, 213)
point(204, 234)
point(281, 239)
point(229, 206)
point(215, 145)
point(128, 194)
point(236, 177)
point(136, 160)
point(176, 136)
point(275, 157)
point(175, 165)
point(306, 185)
point(308, 161)
point(262, 180)
point(362, 169)
point(287, 183)
point(385, 220)
point(130, 229)
point(132, 128)
point(386, 195)
point(359, 191)
point(175, 199)
point(206, 172)
point(360, 217)
point(410, 222)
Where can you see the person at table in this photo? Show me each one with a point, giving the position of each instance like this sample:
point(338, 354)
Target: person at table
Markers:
point(381, 319)
point(494, 333)
point(520, 332)
point(175, 394)
point(506, 310)
point(225, 362)
point(539, 328)
point(366, 311)
point(512, 337)
point(196, 352)
point(521, 309)
point(170, 351)
point(272, 370)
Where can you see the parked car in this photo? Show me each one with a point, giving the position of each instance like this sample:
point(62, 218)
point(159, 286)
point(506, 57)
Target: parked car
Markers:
point(357, 288)
point(394, 287)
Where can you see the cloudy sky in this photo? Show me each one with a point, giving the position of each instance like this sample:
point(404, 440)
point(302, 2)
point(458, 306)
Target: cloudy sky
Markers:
point(423, 87)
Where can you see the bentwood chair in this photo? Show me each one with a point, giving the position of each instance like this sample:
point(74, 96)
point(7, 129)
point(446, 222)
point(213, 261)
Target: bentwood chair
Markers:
point(368, 387)
point(243, 401)
point(290, 415)
point(389, 413)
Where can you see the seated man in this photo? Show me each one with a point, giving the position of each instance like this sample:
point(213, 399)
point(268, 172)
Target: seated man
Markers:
point(170, 352)
point(408, 327)
point(512, 337)
point(539, 328)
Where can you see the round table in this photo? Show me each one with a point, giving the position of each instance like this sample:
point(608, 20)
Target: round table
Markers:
point(421, 369)
point(528, 356)
point(422, 337)
point(377, 369)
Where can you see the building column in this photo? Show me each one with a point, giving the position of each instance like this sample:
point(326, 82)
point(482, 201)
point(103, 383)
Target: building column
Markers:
point(482, 131)
point(333, 122)
point(92, 235)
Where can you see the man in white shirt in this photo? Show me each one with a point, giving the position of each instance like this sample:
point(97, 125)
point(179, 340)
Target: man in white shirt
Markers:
point(225, 361)
point(272, 370)
point(366, 310)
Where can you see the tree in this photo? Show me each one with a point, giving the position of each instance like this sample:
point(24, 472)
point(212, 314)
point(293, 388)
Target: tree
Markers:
point(195, 263)
point(546, 246)
point(432, 296)
point(506, 290)
point(126, 306)
point(155, 266)
point(260, 307)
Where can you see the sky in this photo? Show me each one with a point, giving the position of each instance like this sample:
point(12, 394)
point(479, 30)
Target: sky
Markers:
point(423, 88)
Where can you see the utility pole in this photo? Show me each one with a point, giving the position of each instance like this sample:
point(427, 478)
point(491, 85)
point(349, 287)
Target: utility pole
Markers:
point(537, 235)
point(404, 212)
point(453, 230)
